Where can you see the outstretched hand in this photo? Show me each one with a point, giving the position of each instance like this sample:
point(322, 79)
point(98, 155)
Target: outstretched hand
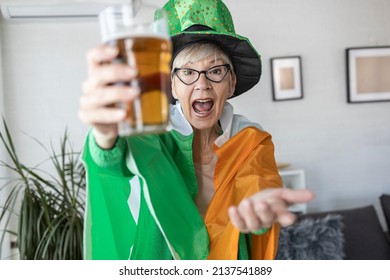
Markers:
point(267, 207)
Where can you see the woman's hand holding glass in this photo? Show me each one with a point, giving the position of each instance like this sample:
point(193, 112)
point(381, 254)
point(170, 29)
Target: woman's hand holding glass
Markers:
point(107, 84)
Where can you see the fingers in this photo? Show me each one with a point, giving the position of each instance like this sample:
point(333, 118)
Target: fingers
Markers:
point(266, 208)
point(102, 116)
point(291, 196)
point(253, 215)
point(106, 96)
point(236, 219)
point(102, 70)
point(107, 84)
point(248, 217)
point(108, 74)
point(97, 108)
point(297, 196)
point(101, 54)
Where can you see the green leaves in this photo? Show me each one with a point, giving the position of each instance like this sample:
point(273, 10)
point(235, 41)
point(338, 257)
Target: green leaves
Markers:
point(49, 207)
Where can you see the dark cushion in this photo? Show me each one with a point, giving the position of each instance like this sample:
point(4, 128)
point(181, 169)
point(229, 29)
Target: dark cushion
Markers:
point(385, 203)
point(312, 239)
point(364, 236)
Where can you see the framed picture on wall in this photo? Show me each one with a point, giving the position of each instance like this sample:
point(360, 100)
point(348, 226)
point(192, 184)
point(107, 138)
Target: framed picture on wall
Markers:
point(286, 75)
point(368, 74)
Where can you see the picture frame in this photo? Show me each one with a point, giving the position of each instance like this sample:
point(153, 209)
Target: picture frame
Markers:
point(286, 75)
point(368, 74)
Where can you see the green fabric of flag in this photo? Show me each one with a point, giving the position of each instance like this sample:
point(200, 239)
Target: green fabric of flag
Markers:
point(169, 223)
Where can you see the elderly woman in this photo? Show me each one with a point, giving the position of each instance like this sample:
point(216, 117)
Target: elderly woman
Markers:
point(209, 188)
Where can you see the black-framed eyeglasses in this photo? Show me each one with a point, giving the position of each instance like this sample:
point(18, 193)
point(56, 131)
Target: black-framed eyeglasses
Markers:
point(189, 76)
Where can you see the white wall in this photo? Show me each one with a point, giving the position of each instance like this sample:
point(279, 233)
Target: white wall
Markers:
point(5, 250)
point(44, 68)
point(344, 148)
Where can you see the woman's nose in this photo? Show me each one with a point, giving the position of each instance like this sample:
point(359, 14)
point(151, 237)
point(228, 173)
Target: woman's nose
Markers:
point(202, 82)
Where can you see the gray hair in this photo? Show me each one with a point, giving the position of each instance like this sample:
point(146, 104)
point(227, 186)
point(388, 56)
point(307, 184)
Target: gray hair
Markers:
point(200, 51)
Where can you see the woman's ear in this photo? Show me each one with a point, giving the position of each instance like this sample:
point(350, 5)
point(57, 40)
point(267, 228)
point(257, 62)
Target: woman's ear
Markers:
point(232, 85)
point(173, 89)
point(174, 94)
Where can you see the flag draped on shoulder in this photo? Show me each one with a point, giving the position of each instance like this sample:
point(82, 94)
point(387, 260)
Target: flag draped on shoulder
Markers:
point(253, 169)
point(141, 193)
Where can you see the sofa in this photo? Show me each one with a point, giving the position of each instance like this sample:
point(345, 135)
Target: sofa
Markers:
point(348, 234)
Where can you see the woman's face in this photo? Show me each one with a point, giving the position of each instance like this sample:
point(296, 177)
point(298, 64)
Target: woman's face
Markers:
point(202, 102)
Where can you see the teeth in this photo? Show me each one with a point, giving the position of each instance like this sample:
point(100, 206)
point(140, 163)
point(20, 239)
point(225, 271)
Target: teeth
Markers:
point(203, 100)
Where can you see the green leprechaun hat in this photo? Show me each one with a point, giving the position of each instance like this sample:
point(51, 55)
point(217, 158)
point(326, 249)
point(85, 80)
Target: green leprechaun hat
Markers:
point(194, 21)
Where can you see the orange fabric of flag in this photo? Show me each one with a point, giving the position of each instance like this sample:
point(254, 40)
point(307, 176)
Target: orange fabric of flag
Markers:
point(245, 165)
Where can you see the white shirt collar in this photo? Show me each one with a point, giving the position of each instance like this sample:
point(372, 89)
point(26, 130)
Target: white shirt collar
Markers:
point(179, 123)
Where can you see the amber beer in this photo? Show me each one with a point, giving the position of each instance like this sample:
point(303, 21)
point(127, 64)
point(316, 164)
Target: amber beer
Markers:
point(151, 55)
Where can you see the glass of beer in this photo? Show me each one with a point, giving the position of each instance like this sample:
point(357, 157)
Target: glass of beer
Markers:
point(140, 32)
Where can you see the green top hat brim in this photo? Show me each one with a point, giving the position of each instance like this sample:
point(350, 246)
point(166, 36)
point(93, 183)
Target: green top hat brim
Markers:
point(246, 61)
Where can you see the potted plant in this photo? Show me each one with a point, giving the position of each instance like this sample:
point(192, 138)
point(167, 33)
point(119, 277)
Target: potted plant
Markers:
point(49, 207)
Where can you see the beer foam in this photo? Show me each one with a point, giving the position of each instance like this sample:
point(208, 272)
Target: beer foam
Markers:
point(133, 34)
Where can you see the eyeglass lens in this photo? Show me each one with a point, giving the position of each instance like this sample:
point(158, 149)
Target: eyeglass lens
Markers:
point(215, 74)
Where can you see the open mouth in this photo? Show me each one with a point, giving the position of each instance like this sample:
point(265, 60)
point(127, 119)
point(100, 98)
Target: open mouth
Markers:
point(203, 106)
